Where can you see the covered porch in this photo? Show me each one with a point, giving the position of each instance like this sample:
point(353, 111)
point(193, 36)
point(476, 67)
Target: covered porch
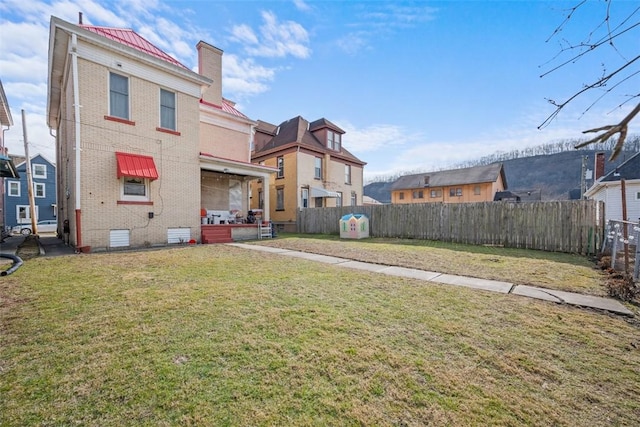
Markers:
point(225, 199)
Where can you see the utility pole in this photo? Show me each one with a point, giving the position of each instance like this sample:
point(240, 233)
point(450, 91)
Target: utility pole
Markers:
point(583, 183)
point(32, 200)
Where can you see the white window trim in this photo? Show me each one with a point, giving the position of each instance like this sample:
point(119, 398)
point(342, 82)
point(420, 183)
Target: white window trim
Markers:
point(35, 190)
point(280, 173)
point(26, 220)
point(36, 166)
point(130, 198)
point(12, 184)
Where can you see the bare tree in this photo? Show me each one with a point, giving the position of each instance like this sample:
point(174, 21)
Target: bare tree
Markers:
point(604, 36)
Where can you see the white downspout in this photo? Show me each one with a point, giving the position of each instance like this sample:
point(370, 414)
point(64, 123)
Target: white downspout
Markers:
point(76, 116)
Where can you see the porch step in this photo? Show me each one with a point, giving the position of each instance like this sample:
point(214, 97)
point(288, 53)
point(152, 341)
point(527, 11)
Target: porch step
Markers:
point(216, 234)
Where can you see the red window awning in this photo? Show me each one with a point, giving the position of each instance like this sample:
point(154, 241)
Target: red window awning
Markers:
point(137, 166)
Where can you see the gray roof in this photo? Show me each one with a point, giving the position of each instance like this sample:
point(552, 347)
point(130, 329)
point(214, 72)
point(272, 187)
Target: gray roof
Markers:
point(630, 169)
point(472, 175)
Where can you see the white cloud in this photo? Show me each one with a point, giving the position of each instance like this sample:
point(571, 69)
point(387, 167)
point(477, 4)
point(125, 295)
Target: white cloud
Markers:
point(40, 141)
point(14, 40)
point(380, 19)
point(276, 39)
point(375, 137)
point(301, 5)
point(31, 94)
point(244, 34)
point(355, 42)
point(25, 68)
point(243, 77)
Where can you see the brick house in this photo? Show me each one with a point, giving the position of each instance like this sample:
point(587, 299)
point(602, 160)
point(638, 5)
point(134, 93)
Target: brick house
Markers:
point(468, 185)
point(313, 169)
point(144, 144)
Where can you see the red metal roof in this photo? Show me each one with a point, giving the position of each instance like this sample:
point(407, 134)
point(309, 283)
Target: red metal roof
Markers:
point(227, 107)
point(132, 39)
point(136, 165)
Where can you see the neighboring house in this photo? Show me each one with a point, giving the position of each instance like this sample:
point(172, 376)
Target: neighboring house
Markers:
point(468, 185)
point(608, 188)
point(370, 201)
point(16, 192)
point(520, 196)
point(6, 120)
point(144, 144)
point(313, 169)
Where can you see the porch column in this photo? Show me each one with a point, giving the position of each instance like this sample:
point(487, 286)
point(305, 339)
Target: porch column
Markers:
point(266, 187)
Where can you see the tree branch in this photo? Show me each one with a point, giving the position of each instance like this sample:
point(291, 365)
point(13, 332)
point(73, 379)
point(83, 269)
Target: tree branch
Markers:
point(608, 131)
point(602, 82)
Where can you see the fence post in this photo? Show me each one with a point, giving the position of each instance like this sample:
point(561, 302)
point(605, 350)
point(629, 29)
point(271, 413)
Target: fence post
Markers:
point(614, 245)
point(636, 269)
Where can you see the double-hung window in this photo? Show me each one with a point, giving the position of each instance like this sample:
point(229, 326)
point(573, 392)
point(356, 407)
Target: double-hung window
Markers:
point(280, 198)
point(134, 189)
point(167, 110)
point(39, 171)
point(118, 96)
point(339, 199)
point(354, 198)
point(333, 140)
point(304, 198)
point(39, 189)
point(280, 163)
point(347, 174)
point(318, 168)
point(13, 188)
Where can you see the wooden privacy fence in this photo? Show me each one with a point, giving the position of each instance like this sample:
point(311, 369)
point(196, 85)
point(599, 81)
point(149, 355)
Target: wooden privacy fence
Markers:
point(573, 226)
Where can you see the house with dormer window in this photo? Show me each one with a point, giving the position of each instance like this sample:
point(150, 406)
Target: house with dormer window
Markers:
point(149, 152)
point(314, 169)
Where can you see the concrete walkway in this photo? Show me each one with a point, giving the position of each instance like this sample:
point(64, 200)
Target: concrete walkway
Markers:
point(559, 297)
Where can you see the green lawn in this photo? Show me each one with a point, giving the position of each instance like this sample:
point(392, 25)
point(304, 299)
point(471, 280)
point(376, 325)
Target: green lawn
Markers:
point(216, 335)
point(554, 270)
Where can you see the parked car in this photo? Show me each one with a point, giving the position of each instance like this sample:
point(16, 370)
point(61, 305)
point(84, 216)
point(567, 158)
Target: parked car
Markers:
point(46, 226)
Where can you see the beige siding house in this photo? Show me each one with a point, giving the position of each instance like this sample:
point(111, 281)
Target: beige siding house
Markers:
point(468, 185)
point(313, 169)
point(143, 143)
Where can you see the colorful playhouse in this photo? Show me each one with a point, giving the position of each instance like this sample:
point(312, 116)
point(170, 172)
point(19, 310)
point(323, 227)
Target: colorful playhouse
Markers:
point(354, 226)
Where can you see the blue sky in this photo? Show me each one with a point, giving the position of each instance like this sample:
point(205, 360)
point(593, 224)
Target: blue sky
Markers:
point(417, 86)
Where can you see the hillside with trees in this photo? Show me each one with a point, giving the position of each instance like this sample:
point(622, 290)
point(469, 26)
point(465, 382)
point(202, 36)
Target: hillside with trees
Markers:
point(553, 170)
